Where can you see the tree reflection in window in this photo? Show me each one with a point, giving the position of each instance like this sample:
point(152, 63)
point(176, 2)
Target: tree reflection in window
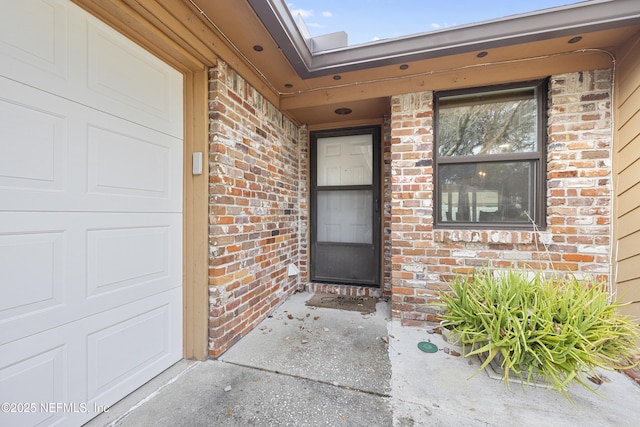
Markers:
point(486, 192)
point(488, 124)
point(489, 155)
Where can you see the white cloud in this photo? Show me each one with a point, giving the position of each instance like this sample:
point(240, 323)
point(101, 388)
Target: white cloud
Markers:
point(305, 13)
point(314, 25)
point(327, 14)
point(436, 26)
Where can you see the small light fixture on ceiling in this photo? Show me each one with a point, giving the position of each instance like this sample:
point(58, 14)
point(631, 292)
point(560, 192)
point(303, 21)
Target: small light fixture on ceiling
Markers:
point(575, 40)
point(258, 48)
point(404, 66)
point(337, 77)
point(288, 85)
point(482, 54)
point(343, 111)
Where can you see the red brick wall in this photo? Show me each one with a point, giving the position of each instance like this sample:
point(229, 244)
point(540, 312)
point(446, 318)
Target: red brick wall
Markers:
point(579, 186)
point(253, 208)
point(259, 219)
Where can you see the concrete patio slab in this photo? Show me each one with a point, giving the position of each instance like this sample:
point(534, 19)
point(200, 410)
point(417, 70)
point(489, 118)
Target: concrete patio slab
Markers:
point(307, 366)
point(216, 393)
point(338, 347)
point(445, 387)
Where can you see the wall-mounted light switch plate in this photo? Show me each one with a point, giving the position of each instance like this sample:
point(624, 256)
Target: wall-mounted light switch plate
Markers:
point(197, 163)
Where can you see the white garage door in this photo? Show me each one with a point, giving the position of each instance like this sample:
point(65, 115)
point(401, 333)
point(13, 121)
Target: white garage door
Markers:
point(90, 214)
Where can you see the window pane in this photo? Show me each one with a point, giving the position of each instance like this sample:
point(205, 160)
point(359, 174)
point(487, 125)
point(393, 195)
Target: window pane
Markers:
point(488, 123)
point(486, 192)
point(345, 160)
point(345, 216)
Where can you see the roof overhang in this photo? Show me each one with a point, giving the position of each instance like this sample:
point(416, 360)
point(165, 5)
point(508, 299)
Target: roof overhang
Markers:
point(594, 15)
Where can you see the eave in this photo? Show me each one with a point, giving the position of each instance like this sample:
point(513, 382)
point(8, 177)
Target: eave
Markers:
point(595, 15)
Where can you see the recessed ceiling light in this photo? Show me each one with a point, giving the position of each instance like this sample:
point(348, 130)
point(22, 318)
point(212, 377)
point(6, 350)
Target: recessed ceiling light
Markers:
point(258, 48)
point(343, 111)
point(288, 85)
point(482, 54)
point(337, 77)
point(404, 66)
point(575, 40)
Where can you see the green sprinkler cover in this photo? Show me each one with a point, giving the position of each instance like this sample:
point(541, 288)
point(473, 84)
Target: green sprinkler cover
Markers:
point(427, 347)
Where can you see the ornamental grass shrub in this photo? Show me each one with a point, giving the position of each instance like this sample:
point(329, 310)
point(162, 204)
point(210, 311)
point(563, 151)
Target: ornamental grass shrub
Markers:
point(552, 330)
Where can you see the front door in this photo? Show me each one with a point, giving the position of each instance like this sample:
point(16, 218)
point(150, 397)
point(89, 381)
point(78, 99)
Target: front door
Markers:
point(345, 206)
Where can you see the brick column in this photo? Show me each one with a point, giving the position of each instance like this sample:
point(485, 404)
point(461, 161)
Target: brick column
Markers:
point(254, 208)
point(579, 202)
point(412, 207)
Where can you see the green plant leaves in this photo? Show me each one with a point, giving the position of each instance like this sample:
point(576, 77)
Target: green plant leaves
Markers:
point(555, 329)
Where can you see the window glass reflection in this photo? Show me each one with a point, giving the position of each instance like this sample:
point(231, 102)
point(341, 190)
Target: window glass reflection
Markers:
point(486, 192)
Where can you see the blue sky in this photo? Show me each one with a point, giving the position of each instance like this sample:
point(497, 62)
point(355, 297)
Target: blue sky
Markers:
point(369, 20)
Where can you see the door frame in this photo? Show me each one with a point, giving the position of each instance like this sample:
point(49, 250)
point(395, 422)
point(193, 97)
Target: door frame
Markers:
point(377, 211)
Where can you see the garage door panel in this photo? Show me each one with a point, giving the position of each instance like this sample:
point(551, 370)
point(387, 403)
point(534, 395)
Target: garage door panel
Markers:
point(143, 256)
point(32, 271)
point(145, 171)
point(70, 158)
point(92, 362)
point(57, 267)
point(45, 51)
point(131, 169)
point(149, 332)
point(34, 141)
point(117, 69)
point(101, 68)
point(124, 348)
point(91, 169)
point(31, 362)
point(122, 79)
point(129, 257)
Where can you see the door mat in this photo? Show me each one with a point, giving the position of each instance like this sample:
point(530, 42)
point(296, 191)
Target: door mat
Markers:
point(343, 302)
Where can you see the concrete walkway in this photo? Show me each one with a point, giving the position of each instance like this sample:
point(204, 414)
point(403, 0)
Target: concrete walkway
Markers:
point(308, 366)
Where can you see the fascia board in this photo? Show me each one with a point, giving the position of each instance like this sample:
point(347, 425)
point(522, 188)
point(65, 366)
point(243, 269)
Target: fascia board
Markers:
point(595, 15)
point(276, 17)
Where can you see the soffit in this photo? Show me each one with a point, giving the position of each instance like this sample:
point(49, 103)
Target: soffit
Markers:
point(514, 63)
point(586, 16)
point(229, 29)
point(365, 87)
